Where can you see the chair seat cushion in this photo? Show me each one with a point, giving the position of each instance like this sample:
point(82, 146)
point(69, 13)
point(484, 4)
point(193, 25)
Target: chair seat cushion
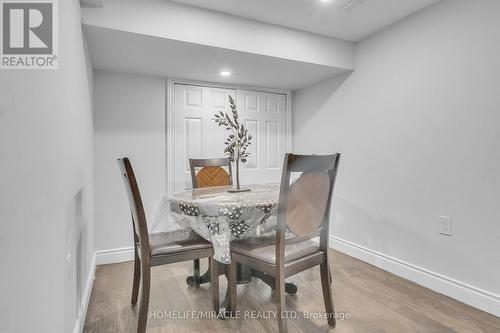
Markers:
point(263, 249)
point(176, 241)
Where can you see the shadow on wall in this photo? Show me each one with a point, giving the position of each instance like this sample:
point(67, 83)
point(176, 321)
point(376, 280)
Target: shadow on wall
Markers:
point(358, 226)
point(314, 98)
point(380, 234)
point(76, 260)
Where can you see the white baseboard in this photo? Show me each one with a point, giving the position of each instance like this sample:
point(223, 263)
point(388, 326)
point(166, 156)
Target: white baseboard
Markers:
point(113, 256)
point(458, 290)
point(82, 313)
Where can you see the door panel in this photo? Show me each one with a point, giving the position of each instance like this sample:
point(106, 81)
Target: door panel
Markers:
point(198, 136)
point(193, 134)
point(273, 145)
point(193, 98)
point(253, 159)
point(265, 117)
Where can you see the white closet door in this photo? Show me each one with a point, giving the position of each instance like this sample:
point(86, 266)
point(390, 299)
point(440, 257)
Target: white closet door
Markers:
point(197, 135)
point(264, 116)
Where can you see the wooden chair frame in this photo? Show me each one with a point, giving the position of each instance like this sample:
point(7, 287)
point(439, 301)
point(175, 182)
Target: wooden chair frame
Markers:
point(200, 163)
point(143, 260)
point(281, 269)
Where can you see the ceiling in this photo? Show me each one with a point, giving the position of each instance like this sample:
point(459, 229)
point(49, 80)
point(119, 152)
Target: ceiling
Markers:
point(328, 18)
point(128, 52)
point(129, 48)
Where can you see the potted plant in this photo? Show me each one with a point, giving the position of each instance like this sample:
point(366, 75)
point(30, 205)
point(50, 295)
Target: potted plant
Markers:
point(237, 142)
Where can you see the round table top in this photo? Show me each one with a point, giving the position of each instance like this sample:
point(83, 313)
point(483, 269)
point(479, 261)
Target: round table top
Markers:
point(258, 195)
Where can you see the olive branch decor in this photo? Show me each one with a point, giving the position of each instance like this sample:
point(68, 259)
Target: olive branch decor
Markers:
point(238, 140)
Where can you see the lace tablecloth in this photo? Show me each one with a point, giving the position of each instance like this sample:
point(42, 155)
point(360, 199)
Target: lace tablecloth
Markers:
point(220, 216)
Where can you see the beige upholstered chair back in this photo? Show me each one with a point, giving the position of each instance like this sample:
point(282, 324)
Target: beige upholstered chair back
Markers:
point(307, 202)
point(304, 205)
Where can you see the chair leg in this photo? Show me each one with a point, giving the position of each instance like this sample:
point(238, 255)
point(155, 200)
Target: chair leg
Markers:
point(196, 269)
point(144, 304)
point(280, 298)
point(137, 278)
point(327, 292)
point(231, 287)
point(214, 281)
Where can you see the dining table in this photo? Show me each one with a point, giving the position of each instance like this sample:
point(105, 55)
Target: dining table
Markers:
point(222, 217)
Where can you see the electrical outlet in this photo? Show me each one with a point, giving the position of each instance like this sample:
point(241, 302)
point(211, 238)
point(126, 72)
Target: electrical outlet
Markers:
point(445, 225)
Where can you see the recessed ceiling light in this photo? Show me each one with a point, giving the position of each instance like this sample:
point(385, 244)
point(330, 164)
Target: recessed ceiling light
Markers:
point(225, 73)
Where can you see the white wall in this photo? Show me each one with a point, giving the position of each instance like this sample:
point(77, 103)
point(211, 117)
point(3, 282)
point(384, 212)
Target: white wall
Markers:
point(164, 19)
point(417, 124)
point(46, 159)
point(129, 120)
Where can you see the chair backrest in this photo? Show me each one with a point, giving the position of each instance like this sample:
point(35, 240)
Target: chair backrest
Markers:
point(139, 224)
point(210, 172)
point(304, 204)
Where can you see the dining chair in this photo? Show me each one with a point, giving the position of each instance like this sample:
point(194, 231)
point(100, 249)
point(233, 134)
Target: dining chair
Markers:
point(210, 172)
point(303, 214)
point(155, 249)
point(206, 173)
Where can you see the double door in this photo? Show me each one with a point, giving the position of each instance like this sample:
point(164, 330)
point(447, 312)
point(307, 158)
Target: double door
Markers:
point(198, 136)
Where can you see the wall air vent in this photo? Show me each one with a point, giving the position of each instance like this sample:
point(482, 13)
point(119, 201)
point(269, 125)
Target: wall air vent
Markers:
point(348, 5)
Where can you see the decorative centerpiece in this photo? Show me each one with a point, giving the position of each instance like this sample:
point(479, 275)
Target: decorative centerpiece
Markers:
point(237, 142)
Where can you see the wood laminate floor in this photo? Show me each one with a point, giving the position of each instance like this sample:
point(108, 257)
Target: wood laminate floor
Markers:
point(376, 301)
